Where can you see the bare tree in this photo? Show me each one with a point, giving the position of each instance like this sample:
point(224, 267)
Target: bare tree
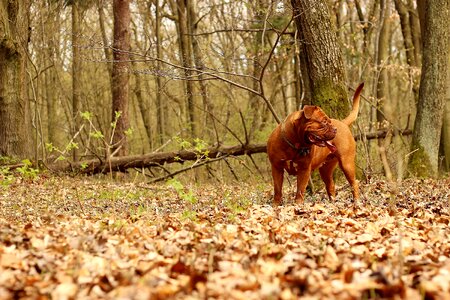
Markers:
point(180, 10)
point(382, 81)
point(76, 72)
point(432, 91)
point(120, 73)
point(15, 130)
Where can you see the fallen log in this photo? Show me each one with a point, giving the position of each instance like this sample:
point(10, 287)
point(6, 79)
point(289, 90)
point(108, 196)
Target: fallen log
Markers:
point(122, 163)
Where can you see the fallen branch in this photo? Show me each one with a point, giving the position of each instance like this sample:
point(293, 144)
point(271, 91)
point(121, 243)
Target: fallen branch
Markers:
point(122, 163)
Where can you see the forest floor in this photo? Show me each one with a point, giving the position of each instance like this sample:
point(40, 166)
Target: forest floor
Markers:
point(85, 238)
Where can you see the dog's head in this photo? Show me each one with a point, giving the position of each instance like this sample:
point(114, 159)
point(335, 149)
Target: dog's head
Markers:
point(317, 127)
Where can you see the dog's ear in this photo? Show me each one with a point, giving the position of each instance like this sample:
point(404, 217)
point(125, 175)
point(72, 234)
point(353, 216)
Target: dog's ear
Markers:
point(308, 111)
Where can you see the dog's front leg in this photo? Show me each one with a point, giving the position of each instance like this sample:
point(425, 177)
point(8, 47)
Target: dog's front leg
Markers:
point(302, 182)
point(277, 175)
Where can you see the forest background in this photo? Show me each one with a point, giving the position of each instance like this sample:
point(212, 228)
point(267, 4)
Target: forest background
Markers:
point(193, 89)
point(100, 79)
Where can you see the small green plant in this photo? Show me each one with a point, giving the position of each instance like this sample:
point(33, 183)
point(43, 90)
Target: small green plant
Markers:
point(6, 177)
point(27, 171)
point(236, 206)
point(180, 189)
point(189, 215)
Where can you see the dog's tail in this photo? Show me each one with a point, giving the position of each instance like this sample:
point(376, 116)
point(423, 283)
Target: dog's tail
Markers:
point(354, 113)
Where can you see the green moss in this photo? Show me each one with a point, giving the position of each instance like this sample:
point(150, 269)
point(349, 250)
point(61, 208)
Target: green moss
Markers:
point(419, 163)
point(332, 98)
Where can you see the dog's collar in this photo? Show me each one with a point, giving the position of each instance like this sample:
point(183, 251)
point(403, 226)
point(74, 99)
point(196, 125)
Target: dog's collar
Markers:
point(302, 151)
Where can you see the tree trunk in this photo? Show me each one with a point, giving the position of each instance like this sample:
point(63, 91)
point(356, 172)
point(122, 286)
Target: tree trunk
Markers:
point(256, 47)
point(414, 20)
point(143, 108)
point(208, 106)
point(15, 129)
point(186, 60)
point(384, 106)
point(384, 103)
point(76, 74)
point(120, 73)
point(432, 92)
point(51, 78)
point(161, 107)
point(445, 140)
point(323, 56)
point(106, 47)
point(402, 11)
point(411, 59)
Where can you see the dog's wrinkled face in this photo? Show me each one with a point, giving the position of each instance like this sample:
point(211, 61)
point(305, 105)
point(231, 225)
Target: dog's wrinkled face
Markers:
point(318, 129)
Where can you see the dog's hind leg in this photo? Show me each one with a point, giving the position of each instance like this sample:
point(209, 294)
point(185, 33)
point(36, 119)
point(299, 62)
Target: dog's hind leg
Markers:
point(326, 173)
point(348, 167)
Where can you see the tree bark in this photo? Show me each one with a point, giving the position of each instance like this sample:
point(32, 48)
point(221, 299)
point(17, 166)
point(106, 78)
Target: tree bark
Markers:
point(384, 106)
point(432, 92)
point(15, 128)
point(120, 73)
point(161, 107)
point(106, 46)
point(179, 8)
point(411, 54)
point(256, 51)
point(208, 106)
point(76, 74)
point(384, 103)
point(414, 20)
point(323, 56)
point(445, 140)
point(52, 95)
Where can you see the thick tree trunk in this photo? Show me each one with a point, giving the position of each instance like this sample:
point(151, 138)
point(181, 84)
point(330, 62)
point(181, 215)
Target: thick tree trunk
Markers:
point(445, 140)
point(15, 129)
point(120, 73)
point(323, 56)
point(432, 92)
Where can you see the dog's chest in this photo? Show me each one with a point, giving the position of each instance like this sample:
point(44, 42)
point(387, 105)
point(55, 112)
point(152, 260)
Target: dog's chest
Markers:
point(291, 166)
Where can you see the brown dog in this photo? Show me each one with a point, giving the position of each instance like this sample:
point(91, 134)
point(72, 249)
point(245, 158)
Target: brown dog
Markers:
point(307, 140)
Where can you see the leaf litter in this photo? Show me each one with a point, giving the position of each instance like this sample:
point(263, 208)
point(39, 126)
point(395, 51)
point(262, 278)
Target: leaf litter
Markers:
point(66, 238)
